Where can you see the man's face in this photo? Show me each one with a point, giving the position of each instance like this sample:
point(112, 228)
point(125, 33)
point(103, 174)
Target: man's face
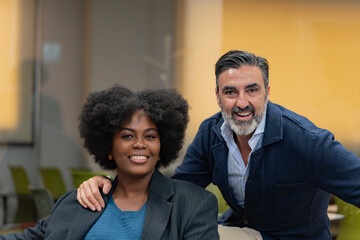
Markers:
point(242, 98)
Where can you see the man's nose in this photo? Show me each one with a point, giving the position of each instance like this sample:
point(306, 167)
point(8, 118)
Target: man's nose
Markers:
point(242, 101)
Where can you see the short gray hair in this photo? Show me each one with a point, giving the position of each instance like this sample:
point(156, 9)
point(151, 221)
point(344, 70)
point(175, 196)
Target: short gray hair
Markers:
point(236, 59)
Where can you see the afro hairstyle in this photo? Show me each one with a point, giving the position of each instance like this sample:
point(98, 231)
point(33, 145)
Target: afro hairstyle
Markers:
point(105, 112)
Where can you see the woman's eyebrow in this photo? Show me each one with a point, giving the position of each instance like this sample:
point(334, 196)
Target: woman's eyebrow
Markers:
point(128, 129)
point(133, 130)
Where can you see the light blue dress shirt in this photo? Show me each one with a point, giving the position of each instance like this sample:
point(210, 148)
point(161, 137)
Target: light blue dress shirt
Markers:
point(238, 172)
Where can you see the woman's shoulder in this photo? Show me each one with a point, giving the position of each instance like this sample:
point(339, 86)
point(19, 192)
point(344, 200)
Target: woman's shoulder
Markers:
point(67, 196)
point(192, 200)
point(179, 191)
point(67, 201)
point(191, 190)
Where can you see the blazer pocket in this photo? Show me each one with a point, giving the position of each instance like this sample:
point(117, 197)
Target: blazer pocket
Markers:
point(293, 197)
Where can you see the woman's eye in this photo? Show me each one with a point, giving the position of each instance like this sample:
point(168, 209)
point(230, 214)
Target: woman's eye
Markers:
point(127, 136)
point(150, 136)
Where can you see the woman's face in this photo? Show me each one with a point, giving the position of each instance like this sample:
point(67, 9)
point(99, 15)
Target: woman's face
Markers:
point(136, 147)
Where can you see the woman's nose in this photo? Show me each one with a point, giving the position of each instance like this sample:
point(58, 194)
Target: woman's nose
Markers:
point(140, 144)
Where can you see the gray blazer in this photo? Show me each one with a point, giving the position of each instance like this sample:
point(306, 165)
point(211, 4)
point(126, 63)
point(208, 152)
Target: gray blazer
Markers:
point(175, 210)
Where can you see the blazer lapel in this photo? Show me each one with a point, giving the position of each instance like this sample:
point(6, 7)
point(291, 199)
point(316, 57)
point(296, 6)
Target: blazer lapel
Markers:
point(84, 221)
point(220, 171)
point(273, 126)
point(86, 218)
point(158, 207)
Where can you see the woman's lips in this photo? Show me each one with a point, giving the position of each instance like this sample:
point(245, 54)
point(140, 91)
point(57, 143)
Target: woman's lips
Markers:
point(138, 158)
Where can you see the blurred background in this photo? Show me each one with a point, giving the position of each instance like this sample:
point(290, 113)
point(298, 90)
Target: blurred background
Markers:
point(54, 52)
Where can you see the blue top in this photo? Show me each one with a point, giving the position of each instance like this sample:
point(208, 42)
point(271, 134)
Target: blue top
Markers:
point(116, 224)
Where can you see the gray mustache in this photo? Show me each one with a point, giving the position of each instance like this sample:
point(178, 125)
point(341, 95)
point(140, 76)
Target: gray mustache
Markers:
point(239, 109)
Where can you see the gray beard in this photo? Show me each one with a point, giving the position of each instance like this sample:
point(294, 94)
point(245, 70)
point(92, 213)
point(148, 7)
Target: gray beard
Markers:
point(244, 127)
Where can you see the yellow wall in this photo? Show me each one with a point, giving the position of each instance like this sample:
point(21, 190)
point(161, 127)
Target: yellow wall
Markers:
point(199, 26)
point(313, 48)
point(314, 52)
point(17, 57)
point(9, 38)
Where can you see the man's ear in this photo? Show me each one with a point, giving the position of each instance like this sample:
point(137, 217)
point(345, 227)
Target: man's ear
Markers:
point(217, 97)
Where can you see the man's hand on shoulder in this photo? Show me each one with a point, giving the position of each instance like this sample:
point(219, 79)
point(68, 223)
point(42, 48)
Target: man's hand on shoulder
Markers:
point(88, 193)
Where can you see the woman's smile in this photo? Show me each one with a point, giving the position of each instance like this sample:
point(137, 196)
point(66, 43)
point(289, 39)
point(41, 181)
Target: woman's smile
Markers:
point(138, 158)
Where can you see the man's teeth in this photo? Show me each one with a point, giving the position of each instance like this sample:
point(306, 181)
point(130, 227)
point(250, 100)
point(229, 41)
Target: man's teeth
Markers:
point(243, 114)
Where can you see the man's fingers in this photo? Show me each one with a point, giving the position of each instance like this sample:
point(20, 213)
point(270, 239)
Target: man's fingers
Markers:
point(107, 186)
point(89, 195)
point(80, 201)
point(81, 197)
point(94, 195)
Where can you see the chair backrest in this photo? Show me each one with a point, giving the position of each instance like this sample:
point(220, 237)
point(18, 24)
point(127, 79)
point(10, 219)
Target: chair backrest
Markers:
point(53, 181)
point(44, 202)
point(26, 211)
point(20, 180)
point(349, 227)
point(221, 201)
point(81, 175)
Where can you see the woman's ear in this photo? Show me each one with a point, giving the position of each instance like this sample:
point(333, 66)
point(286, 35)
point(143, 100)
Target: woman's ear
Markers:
point(111, 156)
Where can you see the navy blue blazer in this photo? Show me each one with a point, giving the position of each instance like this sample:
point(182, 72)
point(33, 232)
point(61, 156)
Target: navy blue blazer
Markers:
point(175, 210)
point(290, 177)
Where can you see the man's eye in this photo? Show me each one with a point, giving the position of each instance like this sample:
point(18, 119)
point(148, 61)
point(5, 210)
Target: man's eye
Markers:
point(252, 90)
point(229, 92)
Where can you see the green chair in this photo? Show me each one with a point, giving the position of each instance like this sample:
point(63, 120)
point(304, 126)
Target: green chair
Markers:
point(11, 230)
point(44, 202)
point(221, 201)
point(26, 211)
point(81, 175)
point(349, 227)
point(53, 181)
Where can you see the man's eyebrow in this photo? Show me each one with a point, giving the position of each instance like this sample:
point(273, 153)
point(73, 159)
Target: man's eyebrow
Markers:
point(252, 85)
point(225, 88)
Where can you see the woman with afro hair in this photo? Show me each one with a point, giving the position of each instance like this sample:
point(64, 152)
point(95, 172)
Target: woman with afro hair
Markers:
point(134, 134)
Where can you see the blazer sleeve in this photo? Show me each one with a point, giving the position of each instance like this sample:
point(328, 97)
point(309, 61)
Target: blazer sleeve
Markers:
point(203, 222)
point(195, 167)
point(38, 231)
point(335, 169)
